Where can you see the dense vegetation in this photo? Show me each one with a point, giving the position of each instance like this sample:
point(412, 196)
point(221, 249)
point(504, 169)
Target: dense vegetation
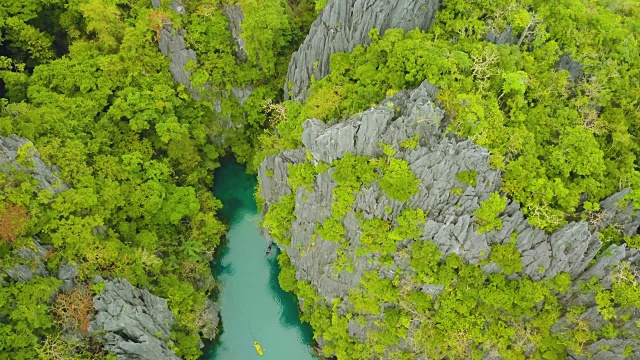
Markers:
point(466, 314)
point(556, 137)
point(85, 82)
point(564, 142)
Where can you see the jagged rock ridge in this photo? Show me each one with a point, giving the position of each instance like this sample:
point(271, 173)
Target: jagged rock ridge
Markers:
point(344, 24)
point(137, 323)
point(451, 223)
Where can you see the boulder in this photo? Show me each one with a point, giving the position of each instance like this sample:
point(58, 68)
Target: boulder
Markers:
point(574, 68)
point(134, 323)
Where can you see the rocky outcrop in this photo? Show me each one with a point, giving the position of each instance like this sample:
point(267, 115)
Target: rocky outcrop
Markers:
point(344, 24)
point(134, 323)
point(68, 274)
point(574, 68)
point(505, 37)
point(48, 176)
point(209, 321)
point(172, 45)
point(451, 223)
point(236, 17)
point(175, 6)
point(32, 262)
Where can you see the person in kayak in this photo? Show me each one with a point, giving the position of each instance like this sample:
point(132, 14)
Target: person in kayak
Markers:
point(258, 348)
point(269, 248)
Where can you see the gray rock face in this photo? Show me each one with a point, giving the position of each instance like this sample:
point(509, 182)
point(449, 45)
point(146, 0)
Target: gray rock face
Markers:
point(175, 6)
point(242, 93)
point(505, 37)
point(172, 45)
point(135, 323)
point(20, 273)
point(606, 349)
point(451, 223)
point(67, 272)
point(344, 24)
point(209, 321)
point(48, 176)
point(236, 17)
point(574, 68)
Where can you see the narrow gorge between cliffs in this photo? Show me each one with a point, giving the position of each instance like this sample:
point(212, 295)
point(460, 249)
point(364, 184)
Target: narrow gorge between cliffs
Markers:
point(253, 306)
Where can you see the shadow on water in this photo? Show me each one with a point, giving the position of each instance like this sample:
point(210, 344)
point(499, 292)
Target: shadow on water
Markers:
point(219, 268)
point(234, 188)
point(289, 316)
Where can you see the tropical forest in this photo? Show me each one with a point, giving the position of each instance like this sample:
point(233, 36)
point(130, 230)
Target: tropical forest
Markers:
point(319, 179)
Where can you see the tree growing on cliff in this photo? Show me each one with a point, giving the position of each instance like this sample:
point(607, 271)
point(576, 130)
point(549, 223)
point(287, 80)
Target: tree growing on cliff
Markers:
point(398, 181)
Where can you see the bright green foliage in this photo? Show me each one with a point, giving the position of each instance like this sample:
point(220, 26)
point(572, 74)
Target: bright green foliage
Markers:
point(507, 256)
point(409, 226)
point(487, 213)
point(287, 275)
point(354, 171)
point(375, 236)
point(387, 149)
point(320, 4)
point(351, 173)
point(24, 308)
point(279, 217)
point(332, 229)
point(425, 257)
point(134, 147)
point(272, 30)
point(410, 143)
point(561, 282)
point(267, 31)
point(488, 310)
point(555, 138)
point(398, 181)
point(302, 175)
point(467, 177)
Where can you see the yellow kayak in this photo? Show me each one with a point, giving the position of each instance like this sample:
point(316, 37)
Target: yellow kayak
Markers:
point(258, 347)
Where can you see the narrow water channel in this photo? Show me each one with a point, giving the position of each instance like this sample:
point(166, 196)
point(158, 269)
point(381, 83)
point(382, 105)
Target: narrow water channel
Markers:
point(253, 307)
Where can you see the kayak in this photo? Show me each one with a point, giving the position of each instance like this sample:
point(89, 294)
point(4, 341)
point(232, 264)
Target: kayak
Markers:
point(258, 347)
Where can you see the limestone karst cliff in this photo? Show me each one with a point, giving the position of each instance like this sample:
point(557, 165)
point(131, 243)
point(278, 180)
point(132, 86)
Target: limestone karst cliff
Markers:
point(135, 323)
point(344, 24)
point(451, 206)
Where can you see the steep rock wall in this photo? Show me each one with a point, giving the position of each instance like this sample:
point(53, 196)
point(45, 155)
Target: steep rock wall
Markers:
point(344, 24)
point(451, 222)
